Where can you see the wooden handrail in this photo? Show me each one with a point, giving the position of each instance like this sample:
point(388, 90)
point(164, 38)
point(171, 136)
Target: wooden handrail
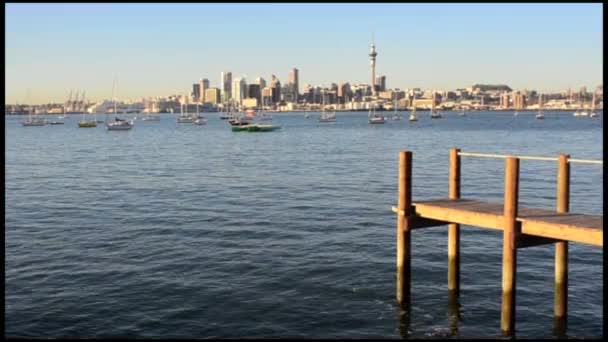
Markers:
point(491, 155)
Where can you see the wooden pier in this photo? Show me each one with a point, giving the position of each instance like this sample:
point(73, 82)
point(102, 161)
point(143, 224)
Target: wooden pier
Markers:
point(521, 227)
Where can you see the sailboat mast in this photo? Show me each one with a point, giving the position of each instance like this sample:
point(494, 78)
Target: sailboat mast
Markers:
point(113, 96)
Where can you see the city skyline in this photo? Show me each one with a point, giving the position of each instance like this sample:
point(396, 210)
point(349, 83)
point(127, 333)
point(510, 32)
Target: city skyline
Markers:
point(433, 46)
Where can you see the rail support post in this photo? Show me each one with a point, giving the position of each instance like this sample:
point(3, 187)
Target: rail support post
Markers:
point(561, 248)
point(454, 229)
point(403, 229)
point(509, 252)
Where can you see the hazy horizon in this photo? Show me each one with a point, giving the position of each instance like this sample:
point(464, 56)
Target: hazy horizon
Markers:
point(162, 49)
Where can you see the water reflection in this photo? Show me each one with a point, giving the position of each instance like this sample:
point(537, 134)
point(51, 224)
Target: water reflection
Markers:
point(403, 322)
point(453, 312)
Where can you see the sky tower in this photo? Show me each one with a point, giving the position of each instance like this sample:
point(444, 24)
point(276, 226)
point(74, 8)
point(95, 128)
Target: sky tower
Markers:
point(372, 62)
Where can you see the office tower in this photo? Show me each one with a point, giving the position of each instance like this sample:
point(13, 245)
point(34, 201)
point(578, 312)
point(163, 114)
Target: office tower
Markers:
point(261, 82)
point(238, 90)
point(295, 82)
point(196, 91)
point(381, 83)
point(203, 86)
point(275, 86)
point(212, 95)
point(226, 86)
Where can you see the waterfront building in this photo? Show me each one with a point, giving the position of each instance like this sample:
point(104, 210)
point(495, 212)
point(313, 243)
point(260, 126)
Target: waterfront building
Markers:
point(196, 91)
point(295, 82)
point(504, 100)
point(250, 103)
point(266, 96)
point(238, 89)
point(203, 86)
point(288, 93)
point(344, 92)
point(212, 95)
point(261, 82)
point(275, 86)
point(519, 100)
point(253, 92)
point(226, 77)
point(381, 83)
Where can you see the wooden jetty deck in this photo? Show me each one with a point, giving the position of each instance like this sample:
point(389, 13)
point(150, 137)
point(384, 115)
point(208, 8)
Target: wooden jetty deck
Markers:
point(521, 227)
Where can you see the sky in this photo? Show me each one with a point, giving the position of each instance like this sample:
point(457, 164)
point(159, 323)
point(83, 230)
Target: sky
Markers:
point(162, 49)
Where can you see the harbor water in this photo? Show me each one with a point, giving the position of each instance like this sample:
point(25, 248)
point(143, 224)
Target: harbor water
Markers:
point(185, 231)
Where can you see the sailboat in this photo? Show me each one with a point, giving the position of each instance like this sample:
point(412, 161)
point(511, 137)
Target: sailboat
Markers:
point(593, 114)
point(198, 119)
point(540, 115)
point(580, 111)
point(434, 114)
point(396, 115)
point(413, 113)
point(463, 113)
point(184, 117)
point(118, 124)
point(87, 123)
point(373, 117)
point(32, 121)
point(325, 116)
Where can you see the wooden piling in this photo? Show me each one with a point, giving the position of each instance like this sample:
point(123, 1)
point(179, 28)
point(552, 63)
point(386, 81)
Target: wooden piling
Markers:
point(561, 248)
point(509, 255)
point(403, 229)
point(454, 229)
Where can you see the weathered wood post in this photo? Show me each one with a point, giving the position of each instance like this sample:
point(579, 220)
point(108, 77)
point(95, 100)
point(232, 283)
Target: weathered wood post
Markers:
point(509, 251)
point(403, 228)
point(561, 248)
point(454, 229)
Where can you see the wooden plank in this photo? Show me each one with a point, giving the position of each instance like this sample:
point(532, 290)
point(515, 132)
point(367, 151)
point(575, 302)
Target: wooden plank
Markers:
point(584, 235)
point(467, 212)
point(587, 229)
point(418, 222)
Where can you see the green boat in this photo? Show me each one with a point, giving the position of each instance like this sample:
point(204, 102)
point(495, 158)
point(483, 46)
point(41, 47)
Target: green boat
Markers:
point(241, 128)
point(261, 128)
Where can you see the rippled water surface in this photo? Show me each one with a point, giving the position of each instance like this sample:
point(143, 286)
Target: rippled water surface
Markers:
point(174, 230)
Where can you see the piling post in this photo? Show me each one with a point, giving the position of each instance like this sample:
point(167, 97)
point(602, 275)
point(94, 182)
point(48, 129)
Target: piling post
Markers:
point(403, 229)
point(509, 254)
point(561, 248)
point(454, 229)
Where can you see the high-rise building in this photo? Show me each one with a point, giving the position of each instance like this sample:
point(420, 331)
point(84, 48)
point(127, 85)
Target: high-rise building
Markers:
point(381, 83)
point(275, 86)
point(203, 86)
point(261, 82)
point(288, 93)
point(266, 96)
point(254, 92)
point(519, 100)
point(294, 79)
point(344, 92)
point(226, 85)
point(504, 100)
point(238, 90)
point(372, 62)
point(212, 95)
point(196, 91)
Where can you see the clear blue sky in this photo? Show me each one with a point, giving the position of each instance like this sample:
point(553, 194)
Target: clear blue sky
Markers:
point(161, 49)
